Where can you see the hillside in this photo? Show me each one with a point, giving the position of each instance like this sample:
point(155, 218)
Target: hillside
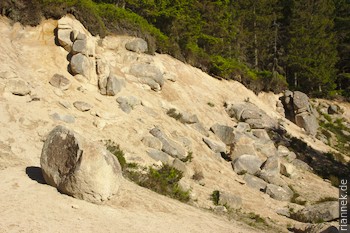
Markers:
point(27, 204)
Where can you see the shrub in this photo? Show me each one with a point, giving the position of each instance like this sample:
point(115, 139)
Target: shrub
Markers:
point(188, 158)
point(174, 114)
point(211, 104)
point(215, 197)
point(165, 181)
point(198, 175)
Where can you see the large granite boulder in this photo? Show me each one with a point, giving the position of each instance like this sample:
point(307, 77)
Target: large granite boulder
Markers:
point(322, 212)
point(228, 199)
point(224, 132)
point(308, 122)
point(148, 74)
point(137, 45)
point(216, 146)
point(299, 110)
point(251, 114)
point(279, 193)
point(247, 164)
point(79, 168)
point(255, 182)
point(80, 64)
point(169, 146)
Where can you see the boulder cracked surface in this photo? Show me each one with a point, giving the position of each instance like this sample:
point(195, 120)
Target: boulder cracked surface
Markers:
point(79, 168)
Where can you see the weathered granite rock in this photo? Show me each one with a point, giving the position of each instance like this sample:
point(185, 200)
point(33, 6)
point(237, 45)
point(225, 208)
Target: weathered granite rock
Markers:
point(60, 81)
point(247, 164)
point(79, 168)
point(80, 64)
point(148, 74)
point(255, 182)
point(224, 132)
point(160, 156)
point(279, 193)
point(137, 45)
point(169, 146)
point(199, 127)
point(233, 201)
point(216, 146)
point(152, 142)
point(323, 212)
point(18, 87)
point(82, 106)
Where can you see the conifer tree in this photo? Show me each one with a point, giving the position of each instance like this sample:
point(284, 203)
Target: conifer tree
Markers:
point(312, 53)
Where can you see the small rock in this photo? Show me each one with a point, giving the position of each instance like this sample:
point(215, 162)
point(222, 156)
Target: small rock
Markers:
point(283, 212)
point(247, 164)
point(279, 193)
point(282, 151)
point(272, 165)
point(114, 85)
point(169, 146)
point(18, 87)
point(243, 127)
point(160, 156)
point(187, 118)
point(301, 165)
point(181, 166)
point(137, 45)
point(255, 182)
point(288, 170)
point(234, 202)
point(100, 124)
point(333, 109)
point(152, 142)
point(199, 127)
point(224, 132)
point(216, 146)
point(60, 81)
point(82, 106)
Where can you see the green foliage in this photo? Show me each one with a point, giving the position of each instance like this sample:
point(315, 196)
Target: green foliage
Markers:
point(188, 158)
point(164, 181)
point(259, 43)
point(115, 149)
point(210, 104)
point(295, 196)
point(312, 53)
point(215, 197)
point(257, 218)
point(117, 152)
point(198, 175)
point(174, 114)
point(337, 127)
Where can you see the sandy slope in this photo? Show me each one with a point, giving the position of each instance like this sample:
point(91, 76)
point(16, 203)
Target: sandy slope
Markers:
point(29, 206)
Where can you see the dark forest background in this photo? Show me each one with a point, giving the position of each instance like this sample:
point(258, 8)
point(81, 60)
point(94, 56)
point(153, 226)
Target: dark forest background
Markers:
point(267, 45)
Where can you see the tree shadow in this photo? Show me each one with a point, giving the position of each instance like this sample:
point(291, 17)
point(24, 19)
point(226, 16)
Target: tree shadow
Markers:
point(325, 165)
point(36, 174)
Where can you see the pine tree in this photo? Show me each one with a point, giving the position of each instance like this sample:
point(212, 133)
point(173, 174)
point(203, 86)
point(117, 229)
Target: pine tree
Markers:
point(312, 51)
point(342, 29)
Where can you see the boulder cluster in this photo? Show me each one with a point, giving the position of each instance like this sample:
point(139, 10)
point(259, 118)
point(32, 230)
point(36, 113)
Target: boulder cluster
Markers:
point(299, 110)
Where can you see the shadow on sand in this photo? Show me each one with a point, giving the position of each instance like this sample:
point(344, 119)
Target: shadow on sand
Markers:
point(35, 173)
